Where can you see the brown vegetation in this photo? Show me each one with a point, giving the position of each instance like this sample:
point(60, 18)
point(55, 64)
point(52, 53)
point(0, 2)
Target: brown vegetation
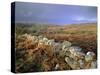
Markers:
point(32, 56)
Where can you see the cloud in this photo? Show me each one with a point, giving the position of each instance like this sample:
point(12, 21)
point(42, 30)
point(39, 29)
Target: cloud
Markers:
point(79, 18)
point(84, 19)
point(58, 14)
point(28, 14)
point(93, 19)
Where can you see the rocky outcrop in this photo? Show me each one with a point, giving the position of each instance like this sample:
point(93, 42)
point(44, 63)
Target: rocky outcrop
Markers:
point(44, 50)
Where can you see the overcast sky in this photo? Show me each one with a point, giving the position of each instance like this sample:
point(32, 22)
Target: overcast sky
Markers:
point(54, 13)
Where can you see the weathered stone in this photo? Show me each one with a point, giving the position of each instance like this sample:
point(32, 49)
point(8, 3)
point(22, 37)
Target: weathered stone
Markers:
point(76, 52)
point(73, 55)
point(72, 63)
point(93, 64)
point(81, 62)
point(57, 48)
point(75, 49)
point(65, 45)
point(89, 56)
point(50, 42)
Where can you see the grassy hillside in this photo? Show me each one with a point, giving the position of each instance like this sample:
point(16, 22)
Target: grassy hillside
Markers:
point(32, 57)
point(84, 35)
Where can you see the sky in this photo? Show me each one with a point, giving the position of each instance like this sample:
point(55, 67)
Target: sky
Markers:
point(54, 13)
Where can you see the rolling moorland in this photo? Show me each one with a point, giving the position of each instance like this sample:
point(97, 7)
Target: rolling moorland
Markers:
point(34, 58)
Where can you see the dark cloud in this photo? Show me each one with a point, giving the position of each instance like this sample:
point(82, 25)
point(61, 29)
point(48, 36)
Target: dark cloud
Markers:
point(54, 13)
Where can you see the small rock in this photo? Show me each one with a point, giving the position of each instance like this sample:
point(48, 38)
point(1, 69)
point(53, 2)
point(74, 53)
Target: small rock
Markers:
point(65, 45)
point(75, 49)
point(81, 62)
point(89, 56)
point(57, 66)
point(72, 63)
point(93, 64)
point(50, 42)
point(57, 47)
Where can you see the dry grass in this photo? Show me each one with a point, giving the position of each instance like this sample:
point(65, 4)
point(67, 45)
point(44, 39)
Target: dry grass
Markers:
point(36, 57)
point(84, 36)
